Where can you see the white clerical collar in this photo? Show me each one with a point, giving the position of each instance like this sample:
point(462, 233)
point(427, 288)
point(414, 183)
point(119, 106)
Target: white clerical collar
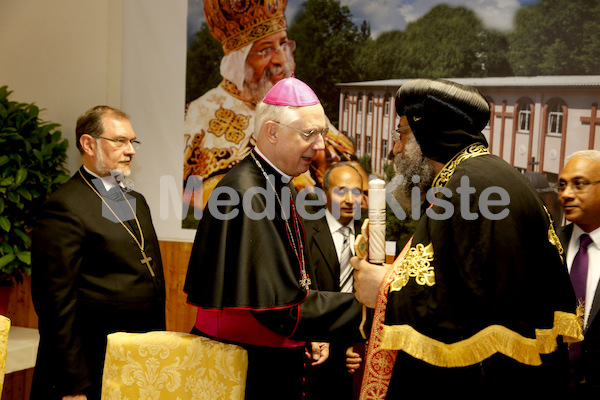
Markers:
point(108, 181)
point(289, 178)
point(335, 225)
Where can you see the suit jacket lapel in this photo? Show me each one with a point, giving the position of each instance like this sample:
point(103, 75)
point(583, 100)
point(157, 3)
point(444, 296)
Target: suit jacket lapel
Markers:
point(564, 235)
point(324, 243)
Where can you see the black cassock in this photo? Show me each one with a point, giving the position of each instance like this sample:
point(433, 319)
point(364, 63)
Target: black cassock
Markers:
point(496, 297)
point(88, 281)
point(243, 261)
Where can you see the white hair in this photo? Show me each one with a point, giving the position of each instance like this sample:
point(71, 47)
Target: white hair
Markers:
point(588, 154)
point(269, 112)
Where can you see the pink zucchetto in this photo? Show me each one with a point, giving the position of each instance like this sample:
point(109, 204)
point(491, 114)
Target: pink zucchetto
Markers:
point(291, 92)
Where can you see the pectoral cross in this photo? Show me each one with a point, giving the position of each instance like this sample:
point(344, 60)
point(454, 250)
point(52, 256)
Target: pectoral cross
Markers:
point(305, 281)
point(146, 260)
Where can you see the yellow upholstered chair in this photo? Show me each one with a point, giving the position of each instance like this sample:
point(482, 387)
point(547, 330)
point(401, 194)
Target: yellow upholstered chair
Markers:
point(173, 366)
point(4, 328)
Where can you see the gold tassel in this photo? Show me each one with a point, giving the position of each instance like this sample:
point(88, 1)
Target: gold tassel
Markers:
point(485, 343)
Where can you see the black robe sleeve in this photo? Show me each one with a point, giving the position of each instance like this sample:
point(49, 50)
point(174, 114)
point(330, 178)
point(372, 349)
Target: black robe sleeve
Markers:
point(244, 260)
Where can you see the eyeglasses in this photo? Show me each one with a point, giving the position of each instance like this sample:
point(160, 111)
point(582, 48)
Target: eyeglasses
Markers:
point(121, 143)
point(577, 186)
point(271, 50)
point(309, 136)
point(396, 133)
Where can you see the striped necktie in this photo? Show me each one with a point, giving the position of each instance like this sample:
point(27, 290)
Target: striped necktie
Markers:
point(346, 278)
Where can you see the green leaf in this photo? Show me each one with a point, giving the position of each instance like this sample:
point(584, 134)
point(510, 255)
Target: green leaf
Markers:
point(21, 176)
point(6, 259)
point(4, 159)
point(25, 193)
point(5, 248)
point(38, 154)
point(24, 237)
point(60, 179)
point(14, 197)
point(4, 223)
point(25, 256)
point(7, 181)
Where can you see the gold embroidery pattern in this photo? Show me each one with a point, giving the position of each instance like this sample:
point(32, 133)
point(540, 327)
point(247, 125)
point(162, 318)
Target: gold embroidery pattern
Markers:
point(474, 150)
point(416, 264)
point(230, 124)
point(380, 362)
point(172, 365)
point(233, 90)
point(488, 341)
point(237, 23)
point(206, 162)
point(4, 329)
point(553, 237)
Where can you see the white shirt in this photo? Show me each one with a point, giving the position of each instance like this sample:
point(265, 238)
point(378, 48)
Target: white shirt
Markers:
point(338, 238)
point(108, 181)
point(593, 266)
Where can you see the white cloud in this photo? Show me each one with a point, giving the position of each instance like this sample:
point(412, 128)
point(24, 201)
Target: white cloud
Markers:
point(386, 15)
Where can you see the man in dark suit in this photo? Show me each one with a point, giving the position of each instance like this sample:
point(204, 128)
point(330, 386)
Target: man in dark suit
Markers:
point(326, 237)
point(96, 262)
point(579, 194)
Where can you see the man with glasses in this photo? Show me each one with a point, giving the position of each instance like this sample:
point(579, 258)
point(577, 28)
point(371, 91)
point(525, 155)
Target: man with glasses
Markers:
point(249, 272)
point(96, 262)
point(331, 244)
point(579, 194)
point(219, 124)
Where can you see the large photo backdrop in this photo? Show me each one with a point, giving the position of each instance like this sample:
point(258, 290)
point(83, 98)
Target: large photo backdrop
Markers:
point(335, 42)
point(237, 50)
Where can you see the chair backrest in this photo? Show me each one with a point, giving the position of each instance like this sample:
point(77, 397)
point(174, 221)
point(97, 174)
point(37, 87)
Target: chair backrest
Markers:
point(4, 328)
point(172, 365)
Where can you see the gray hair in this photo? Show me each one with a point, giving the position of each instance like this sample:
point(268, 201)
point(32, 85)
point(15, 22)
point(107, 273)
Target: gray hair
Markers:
point(91, 122)
point(593, 155)
point(268, 112)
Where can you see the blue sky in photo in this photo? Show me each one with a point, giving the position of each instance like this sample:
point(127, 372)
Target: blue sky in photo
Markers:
point(387, 15)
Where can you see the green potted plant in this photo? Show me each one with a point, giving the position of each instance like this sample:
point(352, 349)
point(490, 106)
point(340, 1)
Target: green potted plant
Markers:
point(32, 165)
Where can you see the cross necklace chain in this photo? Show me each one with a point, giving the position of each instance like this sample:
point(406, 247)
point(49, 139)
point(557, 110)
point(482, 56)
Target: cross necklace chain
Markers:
point(145, 259)
point(299, 248)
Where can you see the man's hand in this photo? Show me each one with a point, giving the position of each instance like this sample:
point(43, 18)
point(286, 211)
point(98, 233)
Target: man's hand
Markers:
point(367, 280)
point(76, 396)
point(353, 360)
point(319, 353)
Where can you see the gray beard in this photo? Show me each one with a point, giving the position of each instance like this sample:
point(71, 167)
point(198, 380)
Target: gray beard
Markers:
point(104, 171)
point(257, 90)
point(412, 170)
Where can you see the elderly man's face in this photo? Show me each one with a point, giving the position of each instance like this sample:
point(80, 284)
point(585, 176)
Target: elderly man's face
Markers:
point(581, 206)
point(294, 153)
point(264, 72)
point(410, 166)
point(108, 156)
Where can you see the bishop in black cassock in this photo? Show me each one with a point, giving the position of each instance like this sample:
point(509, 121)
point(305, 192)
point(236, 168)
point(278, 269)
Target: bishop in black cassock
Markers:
point(247, 271)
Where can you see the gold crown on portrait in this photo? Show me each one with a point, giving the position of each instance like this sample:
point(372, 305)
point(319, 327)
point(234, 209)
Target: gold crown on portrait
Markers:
point(237, 23)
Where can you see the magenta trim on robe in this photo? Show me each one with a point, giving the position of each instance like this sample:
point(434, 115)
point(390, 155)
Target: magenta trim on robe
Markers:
point(240, 326)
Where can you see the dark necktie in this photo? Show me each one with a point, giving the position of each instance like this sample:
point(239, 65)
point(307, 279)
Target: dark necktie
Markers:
point(579, 272)
point(579, 268)
point(346, 280)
